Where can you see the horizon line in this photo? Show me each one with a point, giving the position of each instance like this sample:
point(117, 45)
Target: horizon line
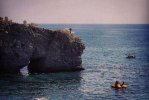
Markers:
point(100, 23)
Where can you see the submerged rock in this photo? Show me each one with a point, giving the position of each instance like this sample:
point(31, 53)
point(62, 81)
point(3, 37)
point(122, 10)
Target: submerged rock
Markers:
point(42, 50)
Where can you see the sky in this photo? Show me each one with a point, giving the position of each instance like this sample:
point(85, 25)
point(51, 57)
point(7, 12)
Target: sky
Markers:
point(77, 11)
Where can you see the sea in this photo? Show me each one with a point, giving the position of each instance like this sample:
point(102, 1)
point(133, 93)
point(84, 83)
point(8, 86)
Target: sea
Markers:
point(104, 60)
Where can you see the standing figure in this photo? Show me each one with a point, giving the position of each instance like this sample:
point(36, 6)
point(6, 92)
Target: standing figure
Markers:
point(70, 30)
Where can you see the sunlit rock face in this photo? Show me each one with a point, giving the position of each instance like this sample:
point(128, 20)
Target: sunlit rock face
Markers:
point(42, 50)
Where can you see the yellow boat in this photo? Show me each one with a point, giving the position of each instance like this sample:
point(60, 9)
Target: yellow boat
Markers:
point(119, 86)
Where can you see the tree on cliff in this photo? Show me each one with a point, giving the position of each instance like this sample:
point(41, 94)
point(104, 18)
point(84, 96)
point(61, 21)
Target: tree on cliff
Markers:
point(6, 19)
point(25, 22)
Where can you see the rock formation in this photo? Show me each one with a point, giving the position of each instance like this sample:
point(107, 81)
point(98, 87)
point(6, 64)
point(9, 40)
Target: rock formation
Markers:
point(42, 50)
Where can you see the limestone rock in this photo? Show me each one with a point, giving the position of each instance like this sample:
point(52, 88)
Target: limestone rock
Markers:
point(42, 50)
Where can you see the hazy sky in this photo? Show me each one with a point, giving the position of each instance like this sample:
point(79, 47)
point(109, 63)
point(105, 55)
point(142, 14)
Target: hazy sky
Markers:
point(76, 11)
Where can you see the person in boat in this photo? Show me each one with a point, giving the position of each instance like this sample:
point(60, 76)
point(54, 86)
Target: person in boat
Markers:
point(117, 84)
point(122, 84)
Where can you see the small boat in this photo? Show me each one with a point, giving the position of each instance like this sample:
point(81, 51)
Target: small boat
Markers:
point(131, 56)
point(119, 86)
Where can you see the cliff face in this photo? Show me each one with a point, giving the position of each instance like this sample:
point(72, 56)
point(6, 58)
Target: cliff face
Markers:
point(41, 49)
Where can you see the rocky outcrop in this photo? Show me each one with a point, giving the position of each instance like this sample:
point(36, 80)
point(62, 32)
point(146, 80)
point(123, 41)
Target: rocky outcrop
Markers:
point(40, 49)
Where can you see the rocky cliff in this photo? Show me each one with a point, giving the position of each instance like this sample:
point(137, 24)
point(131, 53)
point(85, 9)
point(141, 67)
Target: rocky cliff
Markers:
point(42, 50)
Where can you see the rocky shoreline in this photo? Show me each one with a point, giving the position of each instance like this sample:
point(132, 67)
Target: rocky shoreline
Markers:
point(42, 50)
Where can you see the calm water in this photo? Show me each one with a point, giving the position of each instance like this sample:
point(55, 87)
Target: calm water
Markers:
point(105, 62)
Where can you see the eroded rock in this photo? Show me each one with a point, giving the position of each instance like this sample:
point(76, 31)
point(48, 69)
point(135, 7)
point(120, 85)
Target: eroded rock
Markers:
point(42, 50)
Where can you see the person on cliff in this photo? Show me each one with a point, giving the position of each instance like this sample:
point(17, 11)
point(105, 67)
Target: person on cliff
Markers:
point(70, 30)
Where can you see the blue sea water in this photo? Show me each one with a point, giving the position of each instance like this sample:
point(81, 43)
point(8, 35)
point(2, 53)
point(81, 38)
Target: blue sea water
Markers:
point(104, 60)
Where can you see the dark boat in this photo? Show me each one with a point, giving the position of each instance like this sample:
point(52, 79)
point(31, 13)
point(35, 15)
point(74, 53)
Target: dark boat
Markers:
point(131, 56)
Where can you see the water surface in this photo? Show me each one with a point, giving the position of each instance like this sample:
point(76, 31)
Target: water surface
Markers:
point(104, 60)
